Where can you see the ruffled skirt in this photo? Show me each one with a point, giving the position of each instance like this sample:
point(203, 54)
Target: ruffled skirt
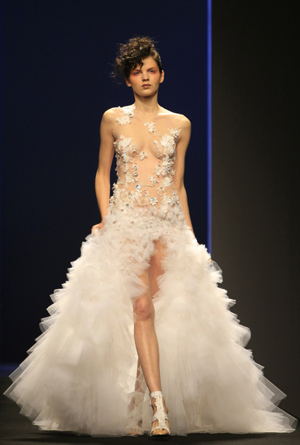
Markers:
point(81, 375)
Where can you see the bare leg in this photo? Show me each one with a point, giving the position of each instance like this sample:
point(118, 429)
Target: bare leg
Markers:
point(144, 330)
point(145, 338)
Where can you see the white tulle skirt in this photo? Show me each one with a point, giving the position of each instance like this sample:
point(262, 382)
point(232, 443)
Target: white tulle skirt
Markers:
point(80, 376)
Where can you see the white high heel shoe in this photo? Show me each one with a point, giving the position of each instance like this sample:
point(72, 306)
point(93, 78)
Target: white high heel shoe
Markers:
point(160, 415)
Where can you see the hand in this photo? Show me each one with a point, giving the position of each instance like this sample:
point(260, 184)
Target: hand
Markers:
point(97, 227)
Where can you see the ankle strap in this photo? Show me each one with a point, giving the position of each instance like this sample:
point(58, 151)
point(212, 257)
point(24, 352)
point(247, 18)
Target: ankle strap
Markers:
point(155, 394)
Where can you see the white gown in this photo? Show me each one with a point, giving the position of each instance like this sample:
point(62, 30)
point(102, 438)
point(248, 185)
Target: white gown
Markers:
point(80, 376)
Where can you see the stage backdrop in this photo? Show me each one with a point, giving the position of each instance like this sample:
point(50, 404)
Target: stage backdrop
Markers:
point(57, 56)
point(255, 204)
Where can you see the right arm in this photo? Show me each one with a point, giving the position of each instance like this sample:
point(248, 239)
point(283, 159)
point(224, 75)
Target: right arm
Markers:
point(106, 153)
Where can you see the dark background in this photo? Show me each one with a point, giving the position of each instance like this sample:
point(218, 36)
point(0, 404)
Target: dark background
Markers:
point(255, 177)
point(56, 59)
point(57, 56)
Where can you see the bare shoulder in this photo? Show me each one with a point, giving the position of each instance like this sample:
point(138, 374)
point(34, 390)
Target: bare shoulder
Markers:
point(177, 120)
point(109, 115)
point(185, 123)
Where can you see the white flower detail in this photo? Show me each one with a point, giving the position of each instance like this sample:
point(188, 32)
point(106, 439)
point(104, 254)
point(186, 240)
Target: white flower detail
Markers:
point(175, 132)
point(167, 143)
point(153, 201)
point(143, 155)
point(123, 120)
point(150, 126)
point(124, 144)
point(125, 114)
point(129, 178)
point(167, 181)
point(153, 180)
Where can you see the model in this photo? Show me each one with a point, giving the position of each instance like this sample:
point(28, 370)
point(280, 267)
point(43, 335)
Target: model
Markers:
point(141, 310)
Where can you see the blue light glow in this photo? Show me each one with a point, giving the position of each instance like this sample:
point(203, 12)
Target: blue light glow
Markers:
point(209, 123)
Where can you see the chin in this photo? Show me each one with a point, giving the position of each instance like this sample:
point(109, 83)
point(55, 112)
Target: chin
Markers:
point(148, 93)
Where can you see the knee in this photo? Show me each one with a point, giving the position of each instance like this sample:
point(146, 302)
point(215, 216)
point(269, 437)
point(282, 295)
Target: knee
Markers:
point(143, 310)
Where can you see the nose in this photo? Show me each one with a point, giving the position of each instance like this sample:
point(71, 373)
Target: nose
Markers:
point(145, 76)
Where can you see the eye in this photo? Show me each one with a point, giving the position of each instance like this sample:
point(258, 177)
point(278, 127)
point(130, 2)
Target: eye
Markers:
point(135, 73)
point(153, 71)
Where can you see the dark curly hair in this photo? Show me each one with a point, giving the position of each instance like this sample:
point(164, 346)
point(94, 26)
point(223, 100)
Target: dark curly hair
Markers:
point(132, 53)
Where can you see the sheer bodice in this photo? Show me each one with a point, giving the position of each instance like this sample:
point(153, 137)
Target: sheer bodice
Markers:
point(145, 154)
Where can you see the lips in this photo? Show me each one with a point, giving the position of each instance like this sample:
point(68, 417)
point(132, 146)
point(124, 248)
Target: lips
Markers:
point(146, 85)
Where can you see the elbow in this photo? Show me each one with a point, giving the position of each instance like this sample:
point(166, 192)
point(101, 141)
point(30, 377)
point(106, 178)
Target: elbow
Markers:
point(102, 174)
point(102, 179)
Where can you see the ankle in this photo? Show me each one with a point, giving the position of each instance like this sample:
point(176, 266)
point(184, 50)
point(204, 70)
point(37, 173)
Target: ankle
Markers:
point(156, 396)
point(160, 422)
point(157, 399)
point(156, 393)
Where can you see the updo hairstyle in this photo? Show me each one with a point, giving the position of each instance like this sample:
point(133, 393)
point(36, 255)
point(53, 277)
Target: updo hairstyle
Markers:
point(132, 53)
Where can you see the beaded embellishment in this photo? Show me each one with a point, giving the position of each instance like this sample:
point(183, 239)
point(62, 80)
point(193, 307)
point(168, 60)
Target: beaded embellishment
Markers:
point(134, 187)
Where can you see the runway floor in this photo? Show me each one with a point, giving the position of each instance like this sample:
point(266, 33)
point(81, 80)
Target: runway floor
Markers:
point(16, 429)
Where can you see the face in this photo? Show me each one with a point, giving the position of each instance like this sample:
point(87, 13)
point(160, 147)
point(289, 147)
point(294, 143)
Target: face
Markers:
point(145, 79)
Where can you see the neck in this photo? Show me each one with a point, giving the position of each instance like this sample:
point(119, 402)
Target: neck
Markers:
point(146, 105)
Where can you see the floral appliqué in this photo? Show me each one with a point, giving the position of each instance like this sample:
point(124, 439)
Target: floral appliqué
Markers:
point(125, 114)
point(157, 188)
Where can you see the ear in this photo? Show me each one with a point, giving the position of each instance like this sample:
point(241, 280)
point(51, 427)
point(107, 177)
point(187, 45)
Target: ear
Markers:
point(162, 76)
point(127, 82)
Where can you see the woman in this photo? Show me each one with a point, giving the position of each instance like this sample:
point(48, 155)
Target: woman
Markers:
point(141, 308)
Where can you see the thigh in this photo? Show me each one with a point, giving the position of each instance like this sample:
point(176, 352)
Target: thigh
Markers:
point(155, 267)
point(149, 278)
point(143, 305)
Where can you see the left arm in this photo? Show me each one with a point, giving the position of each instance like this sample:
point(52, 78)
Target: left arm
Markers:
point(181, 148)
